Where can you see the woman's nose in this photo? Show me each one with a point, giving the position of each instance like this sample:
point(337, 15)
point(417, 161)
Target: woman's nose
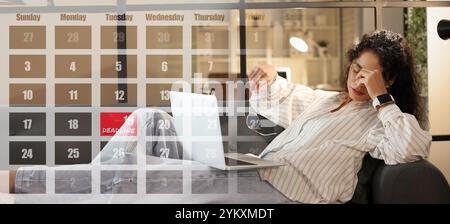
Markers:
point(359, 84)
point(358, 76)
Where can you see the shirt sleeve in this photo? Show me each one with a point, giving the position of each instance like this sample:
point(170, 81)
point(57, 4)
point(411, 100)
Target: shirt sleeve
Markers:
point(398, 138)
point(282, 101)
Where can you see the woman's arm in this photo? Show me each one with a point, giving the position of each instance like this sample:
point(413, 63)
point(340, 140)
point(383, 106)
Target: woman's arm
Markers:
point(399, 138)
point(275, 98)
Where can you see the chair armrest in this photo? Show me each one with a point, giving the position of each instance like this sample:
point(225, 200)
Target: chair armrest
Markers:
point(416, 182)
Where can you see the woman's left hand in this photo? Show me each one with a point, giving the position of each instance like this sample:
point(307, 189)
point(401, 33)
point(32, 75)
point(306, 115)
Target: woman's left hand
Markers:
point(373, 81)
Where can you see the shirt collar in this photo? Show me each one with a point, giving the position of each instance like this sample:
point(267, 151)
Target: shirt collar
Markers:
point(362, 104)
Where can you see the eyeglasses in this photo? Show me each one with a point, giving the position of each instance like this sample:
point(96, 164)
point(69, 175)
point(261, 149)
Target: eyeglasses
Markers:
point(254, 123)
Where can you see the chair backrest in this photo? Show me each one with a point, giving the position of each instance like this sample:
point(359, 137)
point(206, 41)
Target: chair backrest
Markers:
point(418, 182)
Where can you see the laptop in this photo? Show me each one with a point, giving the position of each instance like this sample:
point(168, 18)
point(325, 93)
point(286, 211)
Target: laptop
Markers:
point(196, 116)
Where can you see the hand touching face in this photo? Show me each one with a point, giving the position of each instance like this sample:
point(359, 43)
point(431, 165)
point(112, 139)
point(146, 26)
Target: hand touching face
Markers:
point(365, 79)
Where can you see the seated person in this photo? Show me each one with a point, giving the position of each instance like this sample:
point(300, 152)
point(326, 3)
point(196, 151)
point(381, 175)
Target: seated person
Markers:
point(327, 133)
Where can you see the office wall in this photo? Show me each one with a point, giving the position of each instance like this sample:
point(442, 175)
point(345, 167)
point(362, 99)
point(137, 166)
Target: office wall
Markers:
point(438, 87)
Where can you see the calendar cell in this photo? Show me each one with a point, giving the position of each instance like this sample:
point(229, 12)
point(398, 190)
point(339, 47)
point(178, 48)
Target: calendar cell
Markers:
point(66, 184)
point(211, 66)
point(160, 124)
point(123, 182)
point(210, 126)
point(73, 37)
point(73, 95)
point(118, 153)
point(257, 38)
point(72, 153)
point(30, 185)
point(158, 94)
point(73, 66)
point(164, 37)
point(164, 149)
point(209, 182)
point(73, 124)
point(118, 66)
point(119, 124)
point(164, 182)
point(27, 37)
point(212, 88)
point(118, 37)
point(164, 66)
point(27, 124)
point(27, 66)
point(209, 37)
point(27, 95)
point(27, 153)
point(118, 95)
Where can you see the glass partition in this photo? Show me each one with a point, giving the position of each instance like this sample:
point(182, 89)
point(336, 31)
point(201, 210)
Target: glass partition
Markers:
point(326, 32)
point(74, 71)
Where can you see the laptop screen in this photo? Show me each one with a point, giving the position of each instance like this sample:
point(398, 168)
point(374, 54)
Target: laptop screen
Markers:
point(196, 118)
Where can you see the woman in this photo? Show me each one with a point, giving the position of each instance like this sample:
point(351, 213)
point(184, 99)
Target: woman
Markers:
point(327, 133)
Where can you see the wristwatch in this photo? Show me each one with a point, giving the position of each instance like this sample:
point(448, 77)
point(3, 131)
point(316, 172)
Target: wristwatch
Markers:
point(382, 100)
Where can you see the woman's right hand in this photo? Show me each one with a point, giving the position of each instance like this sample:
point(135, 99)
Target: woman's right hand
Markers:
point(262, 75)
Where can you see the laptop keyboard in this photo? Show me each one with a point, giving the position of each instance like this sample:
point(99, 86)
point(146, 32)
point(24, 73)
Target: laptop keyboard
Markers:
point(233, 162)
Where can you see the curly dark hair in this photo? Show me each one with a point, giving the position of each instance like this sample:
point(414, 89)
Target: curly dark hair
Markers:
point(398, 64)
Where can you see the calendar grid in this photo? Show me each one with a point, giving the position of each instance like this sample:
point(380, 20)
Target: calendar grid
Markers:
point(83, 81)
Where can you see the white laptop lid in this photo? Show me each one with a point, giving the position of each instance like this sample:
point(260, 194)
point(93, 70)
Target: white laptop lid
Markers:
point(196, 117)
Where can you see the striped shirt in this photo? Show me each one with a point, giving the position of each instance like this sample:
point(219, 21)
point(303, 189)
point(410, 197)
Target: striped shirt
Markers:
point(323, 150)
